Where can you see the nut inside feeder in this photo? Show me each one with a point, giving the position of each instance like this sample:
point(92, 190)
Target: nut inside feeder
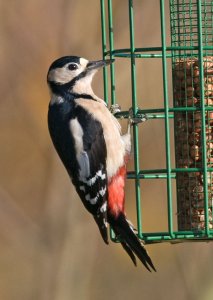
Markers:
point(188, 141)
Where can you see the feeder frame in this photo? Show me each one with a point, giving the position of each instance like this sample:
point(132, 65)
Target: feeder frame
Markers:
point(196, 18)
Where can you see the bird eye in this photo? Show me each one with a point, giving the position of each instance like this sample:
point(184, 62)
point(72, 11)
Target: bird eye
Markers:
point(72, 67)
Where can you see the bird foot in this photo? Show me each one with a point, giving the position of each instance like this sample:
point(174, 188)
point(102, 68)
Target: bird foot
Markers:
point(135, 120)
point(115, 108)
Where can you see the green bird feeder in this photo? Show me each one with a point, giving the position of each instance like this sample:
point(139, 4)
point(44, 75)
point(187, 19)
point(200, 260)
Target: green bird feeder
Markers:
point(191, 55)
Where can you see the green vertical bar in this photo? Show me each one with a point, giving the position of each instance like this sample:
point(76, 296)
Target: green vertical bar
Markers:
point(203, 129)
point(104, 48)
point(167, 131)
point(111, 47)
point(135, 127)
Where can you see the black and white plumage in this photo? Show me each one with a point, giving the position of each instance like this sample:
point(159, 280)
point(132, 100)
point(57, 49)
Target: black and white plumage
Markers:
point(88, 140)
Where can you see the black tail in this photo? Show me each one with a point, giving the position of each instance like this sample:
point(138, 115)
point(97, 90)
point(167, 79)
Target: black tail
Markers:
point(130, 241)
point(99, 219)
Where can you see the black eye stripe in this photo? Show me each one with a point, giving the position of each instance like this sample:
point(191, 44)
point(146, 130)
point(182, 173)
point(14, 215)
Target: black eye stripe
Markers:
point(72, 67)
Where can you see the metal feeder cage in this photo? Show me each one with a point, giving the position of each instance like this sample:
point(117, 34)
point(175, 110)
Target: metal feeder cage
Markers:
point(191, 55)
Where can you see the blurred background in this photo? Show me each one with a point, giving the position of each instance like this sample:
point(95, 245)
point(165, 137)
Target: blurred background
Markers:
point(50, 247)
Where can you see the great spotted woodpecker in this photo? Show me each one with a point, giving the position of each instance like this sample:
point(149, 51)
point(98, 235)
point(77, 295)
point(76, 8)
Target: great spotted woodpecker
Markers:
point(88, 139)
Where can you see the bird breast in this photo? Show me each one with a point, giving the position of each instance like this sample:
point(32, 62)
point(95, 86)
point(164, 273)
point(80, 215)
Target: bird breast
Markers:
point(115, 144)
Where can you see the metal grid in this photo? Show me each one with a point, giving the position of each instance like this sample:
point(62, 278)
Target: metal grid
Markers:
point(191, 36)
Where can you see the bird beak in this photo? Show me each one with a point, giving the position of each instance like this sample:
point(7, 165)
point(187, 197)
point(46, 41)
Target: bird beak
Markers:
point(92, 65)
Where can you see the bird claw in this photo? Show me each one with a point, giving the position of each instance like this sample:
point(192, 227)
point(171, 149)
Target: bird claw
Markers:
point(135, 120)
point(115, 108)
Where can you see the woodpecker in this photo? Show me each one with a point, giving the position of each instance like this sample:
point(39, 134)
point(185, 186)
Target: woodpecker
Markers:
point(88, 140)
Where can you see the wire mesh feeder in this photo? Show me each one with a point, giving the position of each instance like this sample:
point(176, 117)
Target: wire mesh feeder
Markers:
point(192, 29)
point(191, 53)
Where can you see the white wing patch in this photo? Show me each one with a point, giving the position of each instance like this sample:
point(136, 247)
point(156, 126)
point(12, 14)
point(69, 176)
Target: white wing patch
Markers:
point(91, 200)
point(81, 155)
point(82, 188)
point(77, 133)
point(102, 191)
point(95, 199)
point(92, 180)
point(103, 207)
point(83, 161)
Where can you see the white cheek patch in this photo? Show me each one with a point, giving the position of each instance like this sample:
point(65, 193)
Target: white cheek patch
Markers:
point(60, 75)
point(64, 75)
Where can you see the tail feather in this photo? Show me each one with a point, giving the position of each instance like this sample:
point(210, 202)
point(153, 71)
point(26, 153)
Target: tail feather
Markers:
point(129, 252)
point(102, 227)
point(130, 241)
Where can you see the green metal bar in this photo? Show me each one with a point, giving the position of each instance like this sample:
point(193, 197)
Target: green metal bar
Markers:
point(157, 49)
point(167, 130)
point(191, 233)
point(112, 235)
point(137, 55)
point(164, 236)
point(179, 237)
point(162, 173)
point(174, 170)
point(111, 46)
point(150, 176)
point(192, 48)
point(153, 113)
point(104, 48)
point(190, 236)
point(135, 126)
point(203, 128)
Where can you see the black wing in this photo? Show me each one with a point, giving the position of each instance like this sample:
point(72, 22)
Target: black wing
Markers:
point(91, 184)
point(87, 169)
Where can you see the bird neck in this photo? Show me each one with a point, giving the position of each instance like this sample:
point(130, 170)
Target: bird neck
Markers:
point(82, 86)
point(78, 87)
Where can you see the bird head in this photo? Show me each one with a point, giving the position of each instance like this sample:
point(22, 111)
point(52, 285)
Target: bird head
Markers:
point(73, 73)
